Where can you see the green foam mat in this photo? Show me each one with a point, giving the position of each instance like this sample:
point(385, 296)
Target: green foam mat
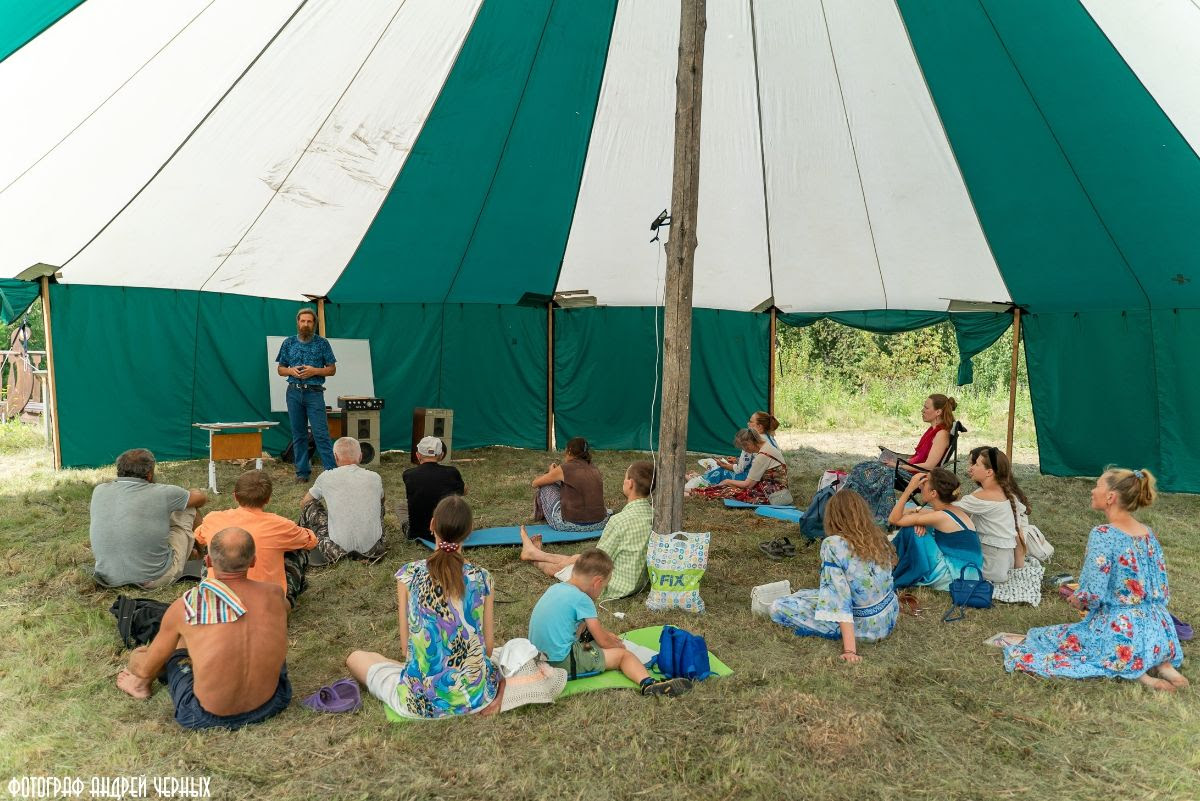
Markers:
point(609, 679)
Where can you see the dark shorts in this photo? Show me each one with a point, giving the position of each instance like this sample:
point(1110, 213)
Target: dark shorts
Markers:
point(190, 715)
point(589, 660)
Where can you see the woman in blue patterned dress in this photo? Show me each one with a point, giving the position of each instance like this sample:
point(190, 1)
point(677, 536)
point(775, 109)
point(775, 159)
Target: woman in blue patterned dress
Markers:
point(1128, 632)
point(855, 600)
point(445, 620)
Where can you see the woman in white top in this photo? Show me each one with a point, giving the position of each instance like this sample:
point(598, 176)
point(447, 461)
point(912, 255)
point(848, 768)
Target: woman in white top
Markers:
point(999, 509)
point(767, 475)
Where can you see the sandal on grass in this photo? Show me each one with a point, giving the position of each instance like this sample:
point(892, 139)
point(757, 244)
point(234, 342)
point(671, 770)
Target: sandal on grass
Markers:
point(341, 696)
point(781, 548)
point(909, 604)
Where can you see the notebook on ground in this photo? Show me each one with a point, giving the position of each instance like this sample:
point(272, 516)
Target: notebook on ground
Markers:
point(511, 535)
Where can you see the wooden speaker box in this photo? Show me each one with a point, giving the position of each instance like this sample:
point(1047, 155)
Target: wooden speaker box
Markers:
point(432, 423)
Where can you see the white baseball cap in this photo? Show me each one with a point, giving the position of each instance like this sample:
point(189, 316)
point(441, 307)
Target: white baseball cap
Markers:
point(430, 446)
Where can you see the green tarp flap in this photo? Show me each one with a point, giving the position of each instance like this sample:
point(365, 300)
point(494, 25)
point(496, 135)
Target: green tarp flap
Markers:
point(123, 361)
point(494, 374)
point(1176, 334)
point(1092, 383)
point(973, 331)
point(605, 376)
point(1087, 193)
point(22, 20)
point(232, 382)
point(481, 209)
point(519, 240)
point(15, 297)
point(405, 358)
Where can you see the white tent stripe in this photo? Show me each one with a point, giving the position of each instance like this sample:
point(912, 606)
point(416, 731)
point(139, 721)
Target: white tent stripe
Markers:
point(45, 96)
point(68, 196)
point(627, 173)
point(1160, 41)
point(732, 269)
point(926, 232)
point(312, 226)
point(198, 208)
point(822, 251)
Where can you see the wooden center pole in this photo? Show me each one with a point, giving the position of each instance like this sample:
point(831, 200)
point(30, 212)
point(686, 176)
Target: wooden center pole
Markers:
point(1012, 383)
point(771, 365)
point(51, 373)
point(321, 316)
point(681, 253)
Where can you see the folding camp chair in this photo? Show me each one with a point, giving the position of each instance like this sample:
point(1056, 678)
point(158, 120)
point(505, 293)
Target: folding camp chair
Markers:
point(905, 468)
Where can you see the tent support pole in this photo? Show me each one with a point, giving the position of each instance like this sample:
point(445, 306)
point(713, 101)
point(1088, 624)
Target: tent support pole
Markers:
point(1012, 382)
point(771, 367)
point(321, 316)
point(681, 257)
point(51, 372)
point(550, 376)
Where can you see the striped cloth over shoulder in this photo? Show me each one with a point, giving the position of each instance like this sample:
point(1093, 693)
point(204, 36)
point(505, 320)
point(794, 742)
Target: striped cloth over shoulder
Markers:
point(211, 601)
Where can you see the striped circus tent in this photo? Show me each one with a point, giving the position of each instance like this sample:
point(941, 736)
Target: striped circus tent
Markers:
point(439, 169)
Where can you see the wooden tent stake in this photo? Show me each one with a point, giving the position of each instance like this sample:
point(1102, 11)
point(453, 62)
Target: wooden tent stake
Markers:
point(550, 376)
point(51, 372)
point(1012, 383)
point(681, 257)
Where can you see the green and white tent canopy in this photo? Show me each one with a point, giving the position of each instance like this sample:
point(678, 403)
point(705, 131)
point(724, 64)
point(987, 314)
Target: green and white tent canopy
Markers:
point(439, 168)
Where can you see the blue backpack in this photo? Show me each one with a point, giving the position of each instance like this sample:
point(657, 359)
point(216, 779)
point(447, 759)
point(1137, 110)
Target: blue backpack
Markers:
point(812, 525)
point(681, 653)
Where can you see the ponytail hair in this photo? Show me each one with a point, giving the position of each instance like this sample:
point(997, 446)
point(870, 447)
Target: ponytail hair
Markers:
point(768, 421)
point(945, 406)
point(577, 448)
point(1135, 488)
point(452, 522)
point(997, 461)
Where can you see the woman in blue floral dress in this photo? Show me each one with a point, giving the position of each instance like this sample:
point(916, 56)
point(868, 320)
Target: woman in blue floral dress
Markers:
point(445, 622)
point(856, 599)
point(1128, 632)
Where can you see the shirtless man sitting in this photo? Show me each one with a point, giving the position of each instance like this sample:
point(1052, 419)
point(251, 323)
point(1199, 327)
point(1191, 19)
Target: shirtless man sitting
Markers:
point(223, 645)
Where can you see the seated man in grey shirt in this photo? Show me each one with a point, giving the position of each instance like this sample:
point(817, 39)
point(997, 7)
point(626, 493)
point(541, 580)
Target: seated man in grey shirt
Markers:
point(344, 508)
point(141, 532)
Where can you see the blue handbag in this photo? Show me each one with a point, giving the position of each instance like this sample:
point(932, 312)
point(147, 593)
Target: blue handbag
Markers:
point(964, 592)
point(681, 653)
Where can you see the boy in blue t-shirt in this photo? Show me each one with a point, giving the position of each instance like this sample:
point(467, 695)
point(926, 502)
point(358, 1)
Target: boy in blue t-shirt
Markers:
point(564, 626)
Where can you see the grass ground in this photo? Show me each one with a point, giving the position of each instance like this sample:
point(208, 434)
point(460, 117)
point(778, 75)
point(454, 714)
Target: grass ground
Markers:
point(929, 713)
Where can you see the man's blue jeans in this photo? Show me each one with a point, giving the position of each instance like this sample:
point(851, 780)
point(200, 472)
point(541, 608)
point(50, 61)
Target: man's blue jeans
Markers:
point(307, 408)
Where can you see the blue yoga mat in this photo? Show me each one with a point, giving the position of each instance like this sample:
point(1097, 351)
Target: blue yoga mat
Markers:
point(789, 514)
point(511, 535)
point(732, 504)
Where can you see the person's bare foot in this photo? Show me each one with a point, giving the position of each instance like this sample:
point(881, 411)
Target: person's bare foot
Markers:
point(1168, 673)
point(135, 686)
point(494, 707)
point(528, 549)
point(1155, 683)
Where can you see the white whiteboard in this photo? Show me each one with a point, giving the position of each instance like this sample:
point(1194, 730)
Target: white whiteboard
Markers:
point(354, 376)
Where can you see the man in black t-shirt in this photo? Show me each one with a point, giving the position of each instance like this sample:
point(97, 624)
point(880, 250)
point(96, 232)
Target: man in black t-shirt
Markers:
point(428, 483)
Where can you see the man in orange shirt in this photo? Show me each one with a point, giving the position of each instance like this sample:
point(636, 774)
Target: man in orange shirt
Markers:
point(281, 546)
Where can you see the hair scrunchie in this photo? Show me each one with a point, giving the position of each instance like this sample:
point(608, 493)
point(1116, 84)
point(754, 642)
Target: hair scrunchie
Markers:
point(1139, 474)
point(448, 547)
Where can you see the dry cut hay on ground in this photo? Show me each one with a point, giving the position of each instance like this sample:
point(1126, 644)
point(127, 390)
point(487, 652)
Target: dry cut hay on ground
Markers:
point(929, 714)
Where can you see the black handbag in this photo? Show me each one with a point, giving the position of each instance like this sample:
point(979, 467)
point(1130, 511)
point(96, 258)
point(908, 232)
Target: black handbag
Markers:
point(964, 592)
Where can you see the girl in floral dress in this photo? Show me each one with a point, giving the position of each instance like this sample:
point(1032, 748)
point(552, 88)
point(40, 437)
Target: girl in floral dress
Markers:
point(445, 621)
point(1128, 632)
point(856, 599)
point(767, 474)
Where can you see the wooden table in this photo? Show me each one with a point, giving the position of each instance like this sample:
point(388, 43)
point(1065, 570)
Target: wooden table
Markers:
point(223, 443)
